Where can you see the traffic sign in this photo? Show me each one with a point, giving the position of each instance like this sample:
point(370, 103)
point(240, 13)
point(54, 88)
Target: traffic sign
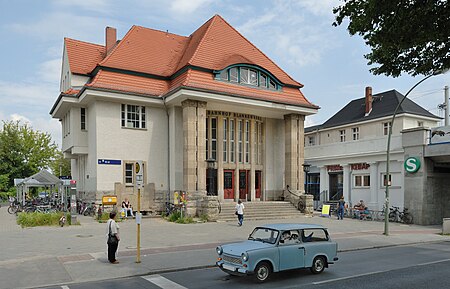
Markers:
point(139, 173)
point(412, 164)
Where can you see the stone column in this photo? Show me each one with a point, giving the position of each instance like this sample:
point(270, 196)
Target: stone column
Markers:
point(252, 160)
point(323, 183)
point(346, 183)
point(294, 151)
point(219, 166)
point(373, 203)
point(194, 132)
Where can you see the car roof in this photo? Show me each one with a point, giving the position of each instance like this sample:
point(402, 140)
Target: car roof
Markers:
point(292, 226)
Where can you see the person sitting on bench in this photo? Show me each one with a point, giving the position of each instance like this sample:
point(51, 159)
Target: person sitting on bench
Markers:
point(126, 207)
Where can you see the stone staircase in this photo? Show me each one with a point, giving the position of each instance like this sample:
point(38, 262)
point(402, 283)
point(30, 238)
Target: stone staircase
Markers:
point(259, 211)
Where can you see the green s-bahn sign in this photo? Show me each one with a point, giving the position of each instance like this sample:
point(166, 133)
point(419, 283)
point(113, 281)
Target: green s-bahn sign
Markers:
point(412, 164)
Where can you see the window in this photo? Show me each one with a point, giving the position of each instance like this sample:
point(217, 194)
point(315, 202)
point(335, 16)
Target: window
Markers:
point(342, 135)
point(314, 235)
point(225, 139)
point(355, 133)
point(420, 123)
point(83, 118)
point(247, 141)
point(362, 181)
point(248, 76)
point(240, 137)
point(207, 138)
point(385, 180)
point(260, 142)
point(129, 173)
point(312, 140)
point(133, 116)
point(386, 126)
point(232, 136)
point(214, 138)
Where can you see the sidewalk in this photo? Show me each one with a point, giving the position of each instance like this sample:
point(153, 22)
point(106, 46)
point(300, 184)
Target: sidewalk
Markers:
point(41, 256)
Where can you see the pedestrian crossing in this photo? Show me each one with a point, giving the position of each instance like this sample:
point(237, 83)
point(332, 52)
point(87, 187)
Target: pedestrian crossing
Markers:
point(162, 282)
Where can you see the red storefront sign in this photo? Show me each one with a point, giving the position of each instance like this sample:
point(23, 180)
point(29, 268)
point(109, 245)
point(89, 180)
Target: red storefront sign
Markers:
point(360, 166)
point(334, 168)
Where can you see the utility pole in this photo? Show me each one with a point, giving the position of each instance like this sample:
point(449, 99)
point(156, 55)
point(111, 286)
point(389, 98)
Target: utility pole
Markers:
point(446, 110)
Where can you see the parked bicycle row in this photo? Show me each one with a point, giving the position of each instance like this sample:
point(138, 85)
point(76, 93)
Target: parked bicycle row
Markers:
point(35, 205)
point(395, 214)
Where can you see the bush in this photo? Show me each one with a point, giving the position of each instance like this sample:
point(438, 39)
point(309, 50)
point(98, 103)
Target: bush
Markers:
point(176, 218)
point(41, 219)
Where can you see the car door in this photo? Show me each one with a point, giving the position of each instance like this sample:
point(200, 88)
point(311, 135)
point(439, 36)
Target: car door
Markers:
point(291, 253)
point(315, 242)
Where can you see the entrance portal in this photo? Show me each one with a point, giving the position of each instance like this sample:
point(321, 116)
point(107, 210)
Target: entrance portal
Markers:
point(257, 184)
point(244, 177)
point(228, 184)
point(336, 186)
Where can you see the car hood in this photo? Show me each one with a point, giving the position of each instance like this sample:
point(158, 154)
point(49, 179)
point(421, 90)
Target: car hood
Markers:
point(238, 248)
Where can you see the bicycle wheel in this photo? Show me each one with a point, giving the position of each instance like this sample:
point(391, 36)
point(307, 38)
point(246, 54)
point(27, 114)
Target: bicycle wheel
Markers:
point(392, 216)
point(407, 219)
point(12, 209)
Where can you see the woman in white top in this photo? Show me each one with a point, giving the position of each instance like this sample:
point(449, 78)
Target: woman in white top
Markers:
point(112, 228)
point(240, 212)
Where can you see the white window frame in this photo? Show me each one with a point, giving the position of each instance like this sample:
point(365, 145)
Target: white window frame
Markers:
point(386, 126)
point(355, 133)
point(232, 141)
point(364, 181)
point(342, 135)
point(240, 141)
point(247, 141)
point(214, 138)
point(126, 175)
point(83, 118)
point(312, 140)
point(127, 121)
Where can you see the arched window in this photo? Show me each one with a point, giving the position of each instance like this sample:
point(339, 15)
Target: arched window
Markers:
point(248, 75)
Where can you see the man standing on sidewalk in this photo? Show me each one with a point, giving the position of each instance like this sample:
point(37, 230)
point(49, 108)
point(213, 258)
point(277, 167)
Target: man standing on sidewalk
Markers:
point(112, 237)
point(240, 212)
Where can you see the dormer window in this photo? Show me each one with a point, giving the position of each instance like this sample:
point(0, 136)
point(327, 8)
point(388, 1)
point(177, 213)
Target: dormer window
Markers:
point(248, 75)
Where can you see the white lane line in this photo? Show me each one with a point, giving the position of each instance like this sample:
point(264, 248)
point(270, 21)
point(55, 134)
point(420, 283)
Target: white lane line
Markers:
point(376, 272)
point(162, 282)
point(65, 287)
point(348, 277)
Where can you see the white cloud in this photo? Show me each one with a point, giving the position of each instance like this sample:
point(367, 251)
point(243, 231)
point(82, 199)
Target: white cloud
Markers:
point(188, 6)
point(318, 7)
point(21, 118)
point(50, 71)
point(26, 95)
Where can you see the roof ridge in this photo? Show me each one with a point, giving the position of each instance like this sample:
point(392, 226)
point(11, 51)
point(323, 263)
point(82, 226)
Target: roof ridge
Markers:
point(117, 45)
point(160, 31)
point(212, 19)
point(301, 85)
point(85, 42)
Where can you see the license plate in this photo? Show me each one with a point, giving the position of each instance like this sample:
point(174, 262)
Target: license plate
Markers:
point(229, 267)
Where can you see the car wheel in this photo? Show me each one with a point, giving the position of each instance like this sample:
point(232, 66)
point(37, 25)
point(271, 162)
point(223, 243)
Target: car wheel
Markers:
point(318, 265)
point(262, 271)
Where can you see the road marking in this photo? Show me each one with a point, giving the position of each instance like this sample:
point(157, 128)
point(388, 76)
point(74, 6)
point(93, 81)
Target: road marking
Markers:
point(348, 277)
point(162, 282)
point(65, 287)
point(376, 272)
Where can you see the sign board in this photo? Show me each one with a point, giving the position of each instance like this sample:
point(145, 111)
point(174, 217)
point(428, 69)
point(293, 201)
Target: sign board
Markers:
point(139, 172)
point(325, 211)
point(138, 218)
point(109, 162)
point(440, 135)
point(412, 164)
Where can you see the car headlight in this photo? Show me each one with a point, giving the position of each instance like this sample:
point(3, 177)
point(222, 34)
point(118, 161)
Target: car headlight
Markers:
point(219, 250)
point(244, 257)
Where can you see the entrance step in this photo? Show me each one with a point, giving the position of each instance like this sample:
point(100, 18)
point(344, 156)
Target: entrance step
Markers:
point(259, 211)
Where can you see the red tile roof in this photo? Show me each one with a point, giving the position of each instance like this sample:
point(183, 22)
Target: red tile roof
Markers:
point(83, 56)
point(213, 46)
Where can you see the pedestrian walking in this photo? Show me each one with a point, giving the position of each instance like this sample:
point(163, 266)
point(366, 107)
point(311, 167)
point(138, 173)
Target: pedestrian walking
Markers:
point(341, 208)
point(113, 238)
point(240, 212)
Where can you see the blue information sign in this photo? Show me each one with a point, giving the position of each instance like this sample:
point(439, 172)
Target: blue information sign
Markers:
point(109, 162)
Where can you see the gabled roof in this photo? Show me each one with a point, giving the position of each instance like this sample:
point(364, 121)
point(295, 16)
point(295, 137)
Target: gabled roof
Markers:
point(83, 56)
point(383, 105)
point(41, 178)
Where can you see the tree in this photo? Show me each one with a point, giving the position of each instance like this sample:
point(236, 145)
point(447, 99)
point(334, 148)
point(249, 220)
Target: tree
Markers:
point(23, 151)
point(60, 165)
point(411, 36)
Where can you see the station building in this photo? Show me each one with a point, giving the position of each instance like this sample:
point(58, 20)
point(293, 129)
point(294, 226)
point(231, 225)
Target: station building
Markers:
point(208, 112)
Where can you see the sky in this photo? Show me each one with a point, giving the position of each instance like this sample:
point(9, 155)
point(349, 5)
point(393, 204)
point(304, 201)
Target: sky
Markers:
point(296, 34)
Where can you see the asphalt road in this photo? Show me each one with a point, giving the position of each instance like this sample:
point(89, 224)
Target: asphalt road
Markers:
point(416, 266)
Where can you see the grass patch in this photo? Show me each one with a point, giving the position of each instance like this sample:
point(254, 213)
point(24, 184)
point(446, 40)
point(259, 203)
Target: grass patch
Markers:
point(204, 218)
point(175, 217)
point(41, 219)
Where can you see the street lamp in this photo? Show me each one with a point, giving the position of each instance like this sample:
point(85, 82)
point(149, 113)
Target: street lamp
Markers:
point(210, 165)
point(387, 182)
point(306, 168)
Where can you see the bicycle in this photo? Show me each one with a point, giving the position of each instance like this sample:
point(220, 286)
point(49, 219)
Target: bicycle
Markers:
point(395, 215)
point(170, 208)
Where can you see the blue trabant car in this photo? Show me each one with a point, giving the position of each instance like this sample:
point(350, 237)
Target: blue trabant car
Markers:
point(279, 247)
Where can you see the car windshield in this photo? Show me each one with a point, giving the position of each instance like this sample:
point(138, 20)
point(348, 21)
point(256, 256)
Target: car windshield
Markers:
point(264, 235)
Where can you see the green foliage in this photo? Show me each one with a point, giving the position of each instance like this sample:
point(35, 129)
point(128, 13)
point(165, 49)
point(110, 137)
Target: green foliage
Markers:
point(404, 36)
point(41, 219)
point(60, 165)
point(176, 218)
point(23, 152)
point(204, 218)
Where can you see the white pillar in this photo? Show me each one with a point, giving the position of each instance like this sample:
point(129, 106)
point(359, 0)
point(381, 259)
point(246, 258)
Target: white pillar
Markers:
point(323, 183)
point(346, 183)
point(373, 203)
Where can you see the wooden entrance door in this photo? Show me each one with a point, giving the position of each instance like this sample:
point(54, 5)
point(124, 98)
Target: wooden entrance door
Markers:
point(243, 184)
point(257, 184)
point(228, 184)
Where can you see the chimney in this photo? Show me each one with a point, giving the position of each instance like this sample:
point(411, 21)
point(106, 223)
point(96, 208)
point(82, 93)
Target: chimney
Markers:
point(110, 38)
point(368, 100)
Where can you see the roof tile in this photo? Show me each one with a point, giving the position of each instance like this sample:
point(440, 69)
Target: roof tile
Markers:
point(83, 56)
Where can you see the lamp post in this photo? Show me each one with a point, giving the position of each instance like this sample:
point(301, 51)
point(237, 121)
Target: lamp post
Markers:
point(306, 168)
point(210, 164)
point(387, 182)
